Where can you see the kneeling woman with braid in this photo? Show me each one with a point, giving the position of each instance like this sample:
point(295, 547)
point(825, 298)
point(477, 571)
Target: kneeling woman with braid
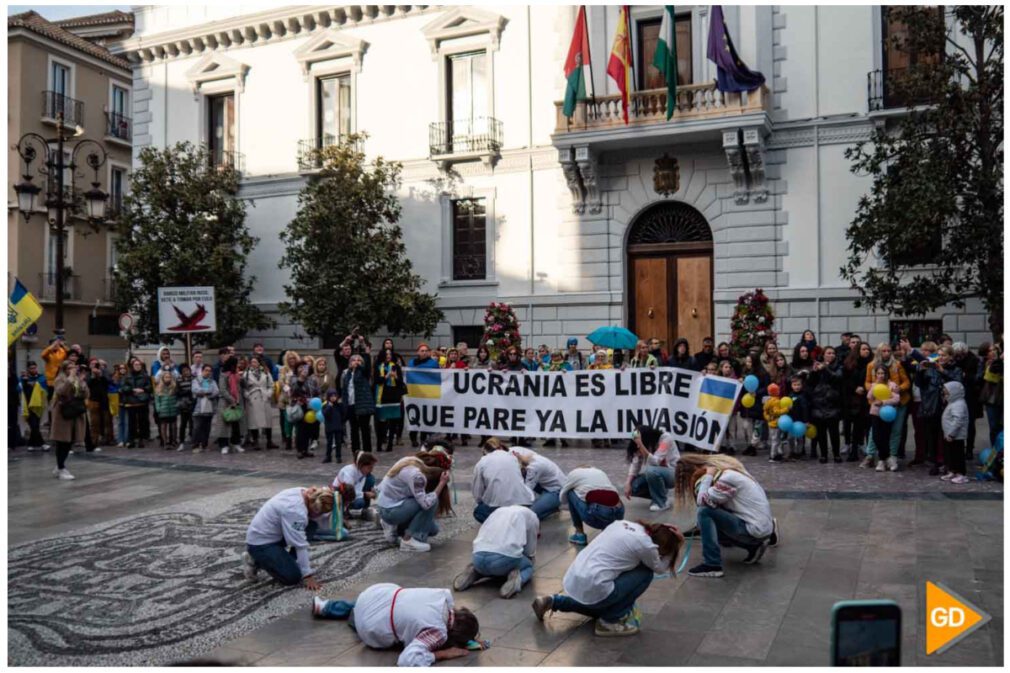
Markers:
point(609, 575)
point(409, 497)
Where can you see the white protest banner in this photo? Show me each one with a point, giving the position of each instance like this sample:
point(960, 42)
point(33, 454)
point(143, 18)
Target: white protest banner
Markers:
point(579, 404)
point(186, 309)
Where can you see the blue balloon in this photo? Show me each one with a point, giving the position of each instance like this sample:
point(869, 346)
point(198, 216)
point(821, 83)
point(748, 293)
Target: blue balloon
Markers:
point(316, 404)
point(798, 429)
point(750, 383)
point(785, 422)
point(985, 455)
point(888, 413)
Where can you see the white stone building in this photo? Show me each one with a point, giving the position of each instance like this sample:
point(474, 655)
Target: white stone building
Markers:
point(504, 199)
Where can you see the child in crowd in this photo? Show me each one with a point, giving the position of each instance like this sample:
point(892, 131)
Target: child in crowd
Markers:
point(736, 427)
point(205, 394)
point(753, 418)
point(955, 421)
point(167, 406)
point(882, 429)
point(358, 475)
point(333, 419)
point(800, 412)
point(772, 411)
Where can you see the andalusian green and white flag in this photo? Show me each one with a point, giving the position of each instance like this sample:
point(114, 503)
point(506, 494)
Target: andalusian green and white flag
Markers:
point(665, 58)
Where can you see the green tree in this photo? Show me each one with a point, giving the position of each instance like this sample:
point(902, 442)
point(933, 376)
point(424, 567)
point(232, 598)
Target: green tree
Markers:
point(345, 252)
point(182, 224)
point(937, 172)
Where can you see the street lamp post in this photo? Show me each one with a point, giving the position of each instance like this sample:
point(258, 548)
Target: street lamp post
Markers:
point(33, 146)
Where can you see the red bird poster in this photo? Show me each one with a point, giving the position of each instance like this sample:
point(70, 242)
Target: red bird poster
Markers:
point(186, 309)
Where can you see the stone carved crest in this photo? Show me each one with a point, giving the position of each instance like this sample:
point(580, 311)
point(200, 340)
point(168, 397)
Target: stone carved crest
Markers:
point(666, 175)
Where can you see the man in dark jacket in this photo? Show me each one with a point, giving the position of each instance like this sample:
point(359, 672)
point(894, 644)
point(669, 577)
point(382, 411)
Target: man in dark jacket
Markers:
point(680, 356)
point(705, 355)
point(825, 384)
point(968, 362)
point(843, 349)
point(422, 361)
point(33, 377)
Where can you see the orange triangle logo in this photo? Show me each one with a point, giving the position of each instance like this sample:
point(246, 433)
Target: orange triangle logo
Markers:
point(949, 618)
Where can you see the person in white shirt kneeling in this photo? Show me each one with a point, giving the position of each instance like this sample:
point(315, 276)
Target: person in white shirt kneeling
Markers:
point(652, 457)
point(497, 481)
point(609, 575)
point(592, 500)
point(410, 496)
point(504, 547)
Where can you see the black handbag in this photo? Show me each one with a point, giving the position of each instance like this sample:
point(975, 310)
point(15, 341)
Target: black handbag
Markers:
point(72, 408)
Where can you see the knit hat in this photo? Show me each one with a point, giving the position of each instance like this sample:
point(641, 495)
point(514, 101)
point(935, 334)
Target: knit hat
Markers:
point(572, 341)
point(331, 391)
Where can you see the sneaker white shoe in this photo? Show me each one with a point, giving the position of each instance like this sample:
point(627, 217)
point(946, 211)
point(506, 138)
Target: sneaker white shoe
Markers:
point(960, 479)
point(97, 449)
point(121, 445)
point(46, 447)
point(892, 464)
point(65, 475)
point(249, 568)
point(224, 450)
point(182, 447)
point(465, 579)
point(605, 629)
point(413, 545)
point(946, 477)
point(237, 449)
point(317, 606)
point(512, 585)
point(388, 532)
point(56, 472)
point(881, 466)
point(659, 508)
point(867, 462)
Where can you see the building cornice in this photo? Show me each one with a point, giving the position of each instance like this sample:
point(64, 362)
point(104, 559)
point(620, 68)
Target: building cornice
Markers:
point(266, 27)
point(56, 46)
point(847, 132)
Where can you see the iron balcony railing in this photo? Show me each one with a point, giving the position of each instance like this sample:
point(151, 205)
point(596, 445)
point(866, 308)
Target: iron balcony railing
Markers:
point(465, 136)
point(109, 290)
point(227, 159)
point(120, 126)
point(71, 286)
point(56, 104)
point(309, 157)
point(883, 91)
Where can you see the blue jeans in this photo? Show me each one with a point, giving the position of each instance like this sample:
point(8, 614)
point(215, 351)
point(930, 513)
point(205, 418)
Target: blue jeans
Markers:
point(408, 516)
point(481, 512)
point(313, 533)
point(653, 483)
point(628, 586)
point(124, 436)
point(896, 428)
point(363, 502)
point(547, 503)
point(277, 560)
point(593, 514)
point(493, 564)
point(994, 413)
point(721, 527)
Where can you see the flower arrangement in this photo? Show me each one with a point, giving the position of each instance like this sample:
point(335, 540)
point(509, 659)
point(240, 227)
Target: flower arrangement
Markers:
point(752, 323)
point(501, 328)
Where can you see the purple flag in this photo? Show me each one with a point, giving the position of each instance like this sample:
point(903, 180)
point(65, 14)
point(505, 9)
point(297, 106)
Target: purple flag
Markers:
point(733, 75)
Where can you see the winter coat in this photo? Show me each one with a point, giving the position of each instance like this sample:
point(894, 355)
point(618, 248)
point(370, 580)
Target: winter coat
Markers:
point(826, 392)
point(133, 380)
point(218, 426)
point(991, 381)
point(756, 412)
point(364, 402)
point(205, 396)
point(166, 405)
point(683, 361)
point(800, 411)
point(256, 390)
point(895, 374)
point(98, 387)
point(53, 355)
point(389, 384)
point(892, 401)
point(955, 418)
point(184, 395)
point(969, 366)
point(333, 417)
point(854, 403)
point(930, 381)
point(67, 430)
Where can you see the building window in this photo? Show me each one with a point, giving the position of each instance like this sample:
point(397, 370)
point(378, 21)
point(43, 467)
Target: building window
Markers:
point(649, 76)
point(221, 128)
point(103, 325)
point(333, 109)
point(921, 253)
point(467, 105)
point(60, 79)
point(898, 57)
point(470, 335)
point(469, 239)
point(916, 331)
point(117, 189)
point(119, 117)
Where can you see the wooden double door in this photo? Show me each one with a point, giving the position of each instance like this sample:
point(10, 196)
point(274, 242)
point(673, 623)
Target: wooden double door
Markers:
point(670, 294)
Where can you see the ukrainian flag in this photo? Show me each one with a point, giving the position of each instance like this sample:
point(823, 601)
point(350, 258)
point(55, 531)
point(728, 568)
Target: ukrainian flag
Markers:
point(22, 311)
point(717, 396)
point(426, 383)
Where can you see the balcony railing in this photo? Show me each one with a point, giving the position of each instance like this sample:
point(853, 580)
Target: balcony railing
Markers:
point(480, 135)
point(55, 104)
point(109, 290)
point(694, 101)
point(227, 159)
point(71, 286)
point(883, 91)
point(120, 127)
point(309, 158)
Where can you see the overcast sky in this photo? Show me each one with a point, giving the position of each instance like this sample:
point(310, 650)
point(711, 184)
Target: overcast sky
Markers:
point(60, 12)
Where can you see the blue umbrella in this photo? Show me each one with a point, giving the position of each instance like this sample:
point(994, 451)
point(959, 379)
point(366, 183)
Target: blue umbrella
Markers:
point(613, 337)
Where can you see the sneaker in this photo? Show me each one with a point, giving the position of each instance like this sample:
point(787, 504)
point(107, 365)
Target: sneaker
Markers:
point(881, 466)
point(182, 447)
point(960, 479)
point(755, 553)
point(314, 445)
point(224, 450)
point(65, 475)
point(659, 508)
point(97, 449)
point(705, 570)
point(249, 568)
point(370, 514)
point(318, 604)
point(121, 445)
point(388, 532)
point(578, 538)
point(56, 471)
point(237, 449)
point(413, 545)
point(867, 462)
point(465, 579)
point(542, 605)
point(197, 449)
point(512, 585)
point(892, 464)
point(622, 628)
point(946, 477)
point(773, 539)
point(46, 447)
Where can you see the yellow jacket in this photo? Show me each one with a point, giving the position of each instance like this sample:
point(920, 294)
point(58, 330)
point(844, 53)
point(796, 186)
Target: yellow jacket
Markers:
point(772, 411)
point(54, 355)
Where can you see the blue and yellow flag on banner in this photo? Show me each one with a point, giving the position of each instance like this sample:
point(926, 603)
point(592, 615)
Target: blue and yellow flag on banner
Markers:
point(425, 383)
point(717, 396)
point(22, 311)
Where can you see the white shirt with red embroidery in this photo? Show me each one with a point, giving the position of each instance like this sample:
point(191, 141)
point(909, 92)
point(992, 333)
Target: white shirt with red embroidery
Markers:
point(740, 494)
point(419, 619)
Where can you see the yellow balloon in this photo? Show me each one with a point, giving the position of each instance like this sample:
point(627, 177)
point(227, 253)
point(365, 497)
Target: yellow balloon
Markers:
point(881, 392)
point(310, 416)
point(748, 400)
point(811, 432)
point(786, 403)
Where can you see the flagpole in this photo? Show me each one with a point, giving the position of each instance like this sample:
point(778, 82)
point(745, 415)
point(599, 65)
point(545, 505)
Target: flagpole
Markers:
point(631, 48)
point(589, 47)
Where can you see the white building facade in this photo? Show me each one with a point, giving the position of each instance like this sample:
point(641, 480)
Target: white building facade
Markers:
point(659, 225)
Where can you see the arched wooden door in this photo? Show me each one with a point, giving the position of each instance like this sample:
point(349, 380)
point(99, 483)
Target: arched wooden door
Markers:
point(670, 275)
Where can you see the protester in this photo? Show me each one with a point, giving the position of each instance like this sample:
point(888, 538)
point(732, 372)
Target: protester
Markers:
point(425, 622)
point(591, 500)
point(35, 392)
point(99, 418)
point(768, 359)
point(607, 577)
point(895, 374)
point(572, 355)
point(166, 404)
point(809, 341)
point(498, 481)
point(643, 358)
point(504, 547)
point(276, 541)
point(359, 402)
point(412, 493)
point(184, 403)
point(424, 361)
point(138, 389)
point(681, 355)
point(282, 393)
point(854, 404)
point(68, 415)
point(205, 397)
point(542, 476)
point(799, 411)
point(301, 389)
point(826, 404)
point(753, 417)
point(969, 365)
point(512, 361)
point(991, 394)
point(529, 360)
point(359, 476)
point(257, 387)
point(225, 426)
point(882, 429)
point(772, 411)
point(803, 362)
point(652, 456)
point(706, 354)
point(955, 421)
point(265, 362)
point(483, 359)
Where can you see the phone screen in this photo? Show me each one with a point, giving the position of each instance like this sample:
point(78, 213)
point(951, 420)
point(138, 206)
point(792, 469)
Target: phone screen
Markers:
point(868, 636)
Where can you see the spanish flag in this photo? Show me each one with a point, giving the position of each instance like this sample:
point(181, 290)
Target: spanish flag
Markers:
point(717, 396)
point(22, 311)
point(619, 67)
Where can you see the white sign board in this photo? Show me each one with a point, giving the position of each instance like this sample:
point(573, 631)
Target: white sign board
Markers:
point(186, 309)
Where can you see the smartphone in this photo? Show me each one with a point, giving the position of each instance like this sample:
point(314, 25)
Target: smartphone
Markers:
point(866, 633)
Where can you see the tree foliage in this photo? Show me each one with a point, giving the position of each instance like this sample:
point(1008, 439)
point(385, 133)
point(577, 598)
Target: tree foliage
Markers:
point(752, 323)
point(345, 252)
point(938, 170)
point(501, 328)
point(183, 225)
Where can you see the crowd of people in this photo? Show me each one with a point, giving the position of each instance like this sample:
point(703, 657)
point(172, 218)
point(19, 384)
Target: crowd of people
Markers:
point(854, 400)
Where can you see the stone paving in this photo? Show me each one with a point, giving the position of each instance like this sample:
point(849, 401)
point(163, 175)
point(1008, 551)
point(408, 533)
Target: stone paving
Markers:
point(847, 533)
